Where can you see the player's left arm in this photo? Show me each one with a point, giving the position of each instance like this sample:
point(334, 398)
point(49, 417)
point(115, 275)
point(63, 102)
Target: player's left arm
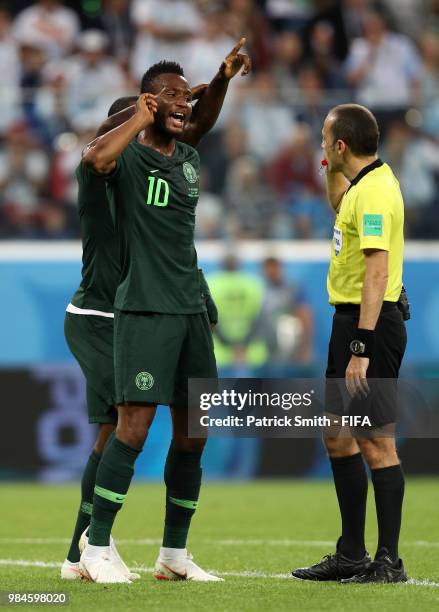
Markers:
point(211, 99)
point(212, 310)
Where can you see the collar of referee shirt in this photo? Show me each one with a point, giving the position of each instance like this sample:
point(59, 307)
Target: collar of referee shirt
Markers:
point(373, 166)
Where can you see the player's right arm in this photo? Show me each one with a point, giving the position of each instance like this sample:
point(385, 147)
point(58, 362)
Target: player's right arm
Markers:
point(117, 119)
point(101, 153)
point(336, 186)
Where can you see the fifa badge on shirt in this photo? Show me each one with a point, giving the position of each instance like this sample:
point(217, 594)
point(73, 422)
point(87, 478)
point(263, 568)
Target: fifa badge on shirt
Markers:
point(372, 225)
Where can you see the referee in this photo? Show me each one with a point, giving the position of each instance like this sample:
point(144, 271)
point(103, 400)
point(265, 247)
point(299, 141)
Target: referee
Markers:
point(368, 339)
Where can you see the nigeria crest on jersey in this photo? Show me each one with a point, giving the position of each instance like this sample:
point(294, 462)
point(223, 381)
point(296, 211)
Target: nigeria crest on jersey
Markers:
point(190, 173)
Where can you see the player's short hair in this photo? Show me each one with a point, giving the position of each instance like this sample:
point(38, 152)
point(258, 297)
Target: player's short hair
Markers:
point(356, 126)
point(121, 103)
point(164, 67)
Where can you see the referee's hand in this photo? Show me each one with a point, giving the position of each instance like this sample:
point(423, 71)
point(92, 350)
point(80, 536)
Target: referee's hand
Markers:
point(356, 382)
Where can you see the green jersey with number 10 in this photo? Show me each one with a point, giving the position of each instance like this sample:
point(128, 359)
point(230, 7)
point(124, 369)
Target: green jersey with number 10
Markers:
point(153, 199)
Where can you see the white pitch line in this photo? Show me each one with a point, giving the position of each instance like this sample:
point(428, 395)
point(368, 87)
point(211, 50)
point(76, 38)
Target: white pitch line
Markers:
point(26, 563)
point(243, 574)
point(225, 542)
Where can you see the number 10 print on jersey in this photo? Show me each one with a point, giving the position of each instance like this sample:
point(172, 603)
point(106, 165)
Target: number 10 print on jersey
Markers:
point(158, 192)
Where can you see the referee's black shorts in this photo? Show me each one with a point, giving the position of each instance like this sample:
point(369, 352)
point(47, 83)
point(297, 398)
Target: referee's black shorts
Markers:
point(390, 343)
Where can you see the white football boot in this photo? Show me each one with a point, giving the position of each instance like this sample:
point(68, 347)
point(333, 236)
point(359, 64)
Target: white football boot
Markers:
point(101, 568)
point(182, 568)
point(70, 571)
point(114, 553)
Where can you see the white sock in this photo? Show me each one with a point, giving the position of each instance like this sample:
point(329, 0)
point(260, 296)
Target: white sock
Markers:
point(172, 553)
point(95, 552)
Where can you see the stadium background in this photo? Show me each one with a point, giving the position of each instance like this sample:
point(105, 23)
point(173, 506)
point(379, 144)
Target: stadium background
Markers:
point(62, 66)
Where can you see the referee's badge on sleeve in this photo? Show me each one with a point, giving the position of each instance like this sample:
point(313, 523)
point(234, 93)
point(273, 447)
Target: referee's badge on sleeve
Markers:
point(338, 240)
point(372, 225)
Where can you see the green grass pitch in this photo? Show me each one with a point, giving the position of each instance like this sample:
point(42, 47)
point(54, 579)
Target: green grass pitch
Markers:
point(251, 533)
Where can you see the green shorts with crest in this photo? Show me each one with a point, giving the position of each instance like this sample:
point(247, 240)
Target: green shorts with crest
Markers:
point(90, 339)
point(156, 354)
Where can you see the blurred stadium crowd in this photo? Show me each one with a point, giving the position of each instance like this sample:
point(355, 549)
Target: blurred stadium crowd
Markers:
point(63, 63)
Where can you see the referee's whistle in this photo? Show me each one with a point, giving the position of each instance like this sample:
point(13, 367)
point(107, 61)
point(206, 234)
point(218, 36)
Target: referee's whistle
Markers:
point(323, 167)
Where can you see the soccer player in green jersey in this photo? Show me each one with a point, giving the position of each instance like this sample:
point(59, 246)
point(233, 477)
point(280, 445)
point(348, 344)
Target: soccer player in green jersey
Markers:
point(89, 324)
point(162, 336)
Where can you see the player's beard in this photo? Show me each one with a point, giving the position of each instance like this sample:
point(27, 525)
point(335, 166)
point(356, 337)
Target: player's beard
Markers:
point(160, 126)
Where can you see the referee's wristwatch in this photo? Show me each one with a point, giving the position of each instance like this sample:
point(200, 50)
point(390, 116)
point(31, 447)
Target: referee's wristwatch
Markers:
point(363, 343)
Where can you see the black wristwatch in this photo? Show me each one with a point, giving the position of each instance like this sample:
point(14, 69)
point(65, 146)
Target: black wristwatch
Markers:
point(357, 347)
point(363, 344)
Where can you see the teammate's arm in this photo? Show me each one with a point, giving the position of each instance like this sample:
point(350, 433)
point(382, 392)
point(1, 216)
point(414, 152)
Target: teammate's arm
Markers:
point(115, 120)
point(101, 153)
point(336, 186)
point(212, 310)
point(198, 91)
point(209, 106)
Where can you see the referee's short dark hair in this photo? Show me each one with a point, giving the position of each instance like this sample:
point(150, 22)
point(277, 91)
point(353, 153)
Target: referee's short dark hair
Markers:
point(356, 126)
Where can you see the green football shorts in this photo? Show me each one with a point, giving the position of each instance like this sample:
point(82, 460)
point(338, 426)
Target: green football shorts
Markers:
point(90, 339)
point(155, 355)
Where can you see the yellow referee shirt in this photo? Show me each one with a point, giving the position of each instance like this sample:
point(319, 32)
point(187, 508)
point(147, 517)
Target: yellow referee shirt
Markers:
point(370, 216)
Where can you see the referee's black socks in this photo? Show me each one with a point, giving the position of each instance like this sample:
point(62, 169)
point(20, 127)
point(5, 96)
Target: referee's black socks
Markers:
point(350, 480)
point(388, 484)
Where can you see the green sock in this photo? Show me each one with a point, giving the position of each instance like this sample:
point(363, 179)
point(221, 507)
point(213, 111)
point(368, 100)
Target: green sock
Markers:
point(84, 514)
point(112, 482)
point(183, 481)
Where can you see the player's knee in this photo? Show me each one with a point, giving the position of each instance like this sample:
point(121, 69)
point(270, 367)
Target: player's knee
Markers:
point(105, 431)
point(340, 447)
point(131, 436)
point(189, 445)
point(378, 452)
point(133, 424)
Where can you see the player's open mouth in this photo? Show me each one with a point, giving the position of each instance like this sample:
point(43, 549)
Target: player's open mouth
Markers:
point(177, 120)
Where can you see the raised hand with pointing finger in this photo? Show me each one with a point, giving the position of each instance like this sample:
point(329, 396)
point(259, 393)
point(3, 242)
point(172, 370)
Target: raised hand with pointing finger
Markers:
point(235, 61)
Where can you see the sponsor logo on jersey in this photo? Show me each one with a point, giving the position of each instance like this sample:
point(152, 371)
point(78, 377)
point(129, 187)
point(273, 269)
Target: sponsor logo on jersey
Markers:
point(144, 381)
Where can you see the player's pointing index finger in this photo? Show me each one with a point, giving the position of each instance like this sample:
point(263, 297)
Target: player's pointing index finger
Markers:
point(237, 47)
